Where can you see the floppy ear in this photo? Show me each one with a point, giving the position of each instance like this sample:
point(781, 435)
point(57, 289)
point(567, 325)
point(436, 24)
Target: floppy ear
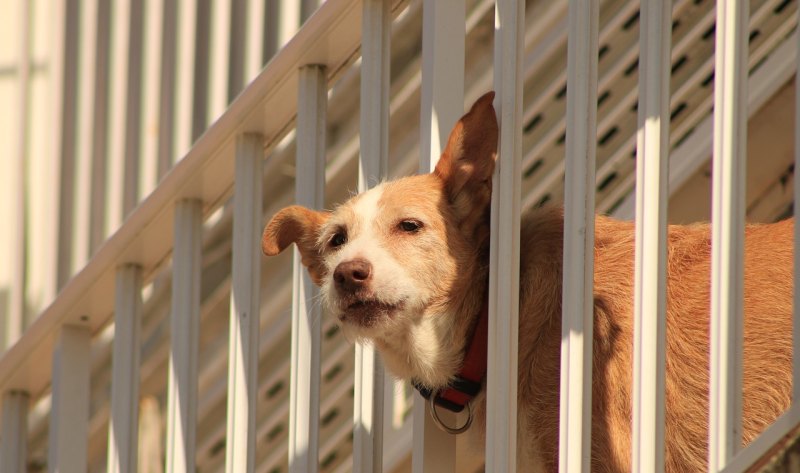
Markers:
point(298, 225)
point(467, 163)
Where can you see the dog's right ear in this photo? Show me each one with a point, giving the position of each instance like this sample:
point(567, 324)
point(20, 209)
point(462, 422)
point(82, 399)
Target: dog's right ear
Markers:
point(467, 163)
point(298, 225)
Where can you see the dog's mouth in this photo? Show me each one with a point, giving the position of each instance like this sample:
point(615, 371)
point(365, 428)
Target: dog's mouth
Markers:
point(366, 312)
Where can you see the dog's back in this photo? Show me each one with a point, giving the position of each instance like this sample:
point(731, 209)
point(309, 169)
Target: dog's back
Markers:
point(767, 348)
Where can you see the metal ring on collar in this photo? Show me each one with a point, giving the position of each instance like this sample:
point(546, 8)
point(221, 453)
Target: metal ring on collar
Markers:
point(441, 425)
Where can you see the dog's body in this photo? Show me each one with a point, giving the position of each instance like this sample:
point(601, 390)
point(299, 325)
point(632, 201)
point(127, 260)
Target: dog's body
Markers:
point(404, 266)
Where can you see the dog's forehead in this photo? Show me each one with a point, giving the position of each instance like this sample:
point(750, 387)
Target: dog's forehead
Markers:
point(391, 199)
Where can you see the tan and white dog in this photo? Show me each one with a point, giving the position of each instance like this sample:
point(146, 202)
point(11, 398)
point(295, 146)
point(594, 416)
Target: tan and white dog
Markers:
point(404, 266)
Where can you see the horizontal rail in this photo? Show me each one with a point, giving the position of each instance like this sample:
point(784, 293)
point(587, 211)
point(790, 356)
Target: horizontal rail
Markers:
point(330, 37)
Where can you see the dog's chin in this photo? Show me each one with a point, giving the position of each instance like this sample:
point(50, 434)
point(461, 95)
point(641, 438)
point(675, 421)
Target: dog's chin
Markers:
point(363, 318)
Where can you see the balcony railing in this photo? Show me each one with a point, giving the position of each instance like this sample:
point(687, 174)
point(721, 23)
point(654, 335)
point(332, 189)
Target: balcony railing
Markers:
point(287, 101)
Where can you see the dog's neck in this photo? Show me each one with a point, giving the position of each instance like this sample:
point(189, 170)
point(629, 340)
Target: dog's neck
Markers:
point(468, 383)
point(432, 351)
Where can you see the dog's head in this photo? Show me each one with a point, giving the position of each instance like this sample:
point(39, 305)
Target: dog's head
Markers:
point(403, 250)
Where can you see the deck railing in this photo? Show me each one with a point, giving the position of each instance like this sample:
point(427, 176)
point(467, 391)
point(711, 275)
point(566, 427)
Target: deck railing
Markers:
point(289, 96)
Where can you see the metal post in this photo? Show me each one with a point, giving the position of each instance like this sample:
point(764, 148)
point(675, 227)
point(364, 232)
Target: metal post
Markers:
point(185, 318)
point(245, 306)
point(577, 302)
point(123, 427)
point(652, 174)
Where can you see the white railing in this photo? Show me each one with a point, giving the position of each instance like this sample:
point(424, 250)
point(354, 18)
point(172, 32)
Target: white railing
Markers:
point(228, 159)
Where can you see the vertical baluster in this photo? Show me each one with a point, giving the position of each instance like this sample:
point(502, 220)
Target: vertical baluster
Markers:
point(221, 56)
point(87, 95)
point(125, 111)
point(69, 412)
point(245, 305)
point(123, 425)
point(501, 399)
point(185, 111)
point(14, 321)
point(306, 311)
point(14, 433)
point(185, 319)
point(283, 19)
point(577, 302)
point(796, 306)
point(118, 83)
point(443, 28)
point(167, 88)
point(373, 167)
point(652, 176)
point(258, 24)
point(100, 130)
point(727, 247)
point(152, 50)
point(65, 77)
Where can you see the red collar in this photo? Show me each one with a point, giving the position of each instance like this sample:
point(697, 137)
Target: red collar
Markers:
point(469, 381)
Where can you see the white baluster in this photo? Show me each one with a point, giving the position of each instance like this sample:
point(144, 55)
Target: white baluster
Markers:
point(501, 382)
point(577, 302)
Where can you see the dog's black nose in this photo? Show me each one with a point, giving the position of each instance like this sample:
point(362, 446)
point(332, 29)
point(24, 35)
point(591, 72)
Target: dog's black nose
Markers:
point(352, 275)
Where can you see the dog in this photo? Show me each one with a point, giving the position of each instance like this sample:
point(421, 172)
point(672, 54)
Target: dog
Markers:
point(404, 266)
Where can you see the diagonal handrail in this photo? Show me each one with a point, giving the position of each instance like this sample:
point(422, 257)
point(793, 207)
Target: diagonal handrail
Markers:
point(332, 37)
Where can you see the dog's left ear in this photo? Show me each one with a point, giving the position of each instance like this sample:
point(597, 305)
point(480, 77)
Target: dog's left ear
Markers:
point(467, 163)
point(299, 225)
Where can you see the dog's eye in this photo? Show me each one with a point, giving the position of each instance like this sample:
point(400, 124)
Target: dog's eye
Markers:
point(338, 239)
point(410, 226)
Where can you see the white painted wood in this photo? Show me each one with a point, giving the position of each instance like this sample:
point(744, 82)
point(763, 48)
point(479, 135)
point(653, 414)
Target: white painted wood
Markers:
point(120, 58)
point(14, 320)
point(692, 153)
point(185, 42)
point(283, 19)
point(151, 103)
point(503, 340)
point(168, 89)
point(14, 434)
point(201, 68)
point(123, 427)
point(146, 235)
point(220, 58)
point(87, 96)
point(65, 75)
point(307, 8)
point(245, 304)
point(375, 37)
point(577, 302)
point(69, 411)
point(185, 319)
point(304, 397)
point(442, 89)
point(652, 194)
point(759, 447)
point(258, 23)
point(372, 168)
point(796, 273)
point(101, 125)
point(727, 247)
